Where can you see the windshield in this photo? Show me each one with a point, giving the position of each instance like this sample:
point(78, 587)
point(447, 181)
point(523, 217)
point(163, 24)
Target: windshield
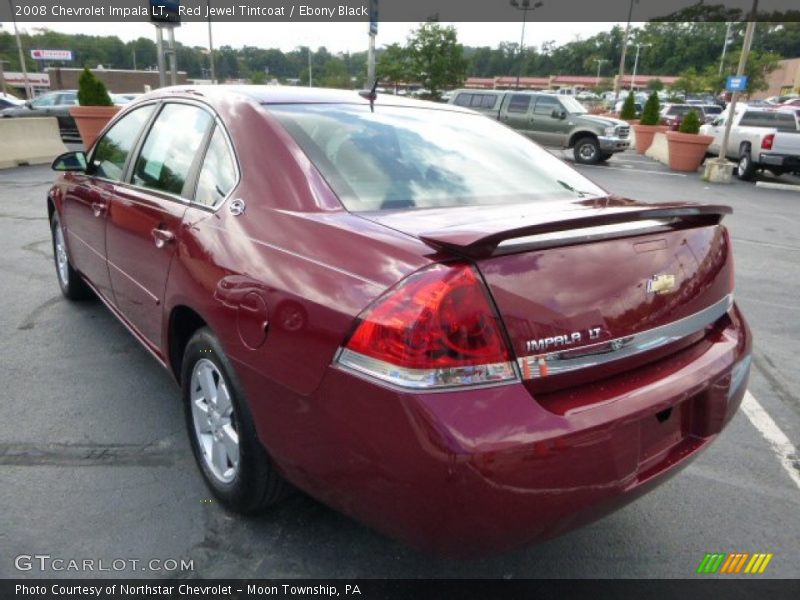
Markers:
point(422, 158)
point(572, 105)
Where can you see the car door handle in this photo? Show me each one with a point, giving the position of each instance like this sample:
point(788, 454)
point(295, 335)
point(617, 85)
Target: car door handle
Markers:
point(162, 237)
point(98, 208)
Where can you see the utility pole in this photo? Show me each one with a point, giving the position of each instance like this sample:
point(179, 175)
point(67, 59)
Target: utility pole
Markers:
point(162, 70)
point(618, 83)
point(3, 76)
point(173, 56)
point(27, 83)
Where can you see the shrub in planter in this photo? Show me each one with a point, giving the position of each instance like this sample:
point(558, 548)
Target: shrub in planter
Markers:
point(649, 124)
point(628, 112)
point(96, 108)
point(687, 148)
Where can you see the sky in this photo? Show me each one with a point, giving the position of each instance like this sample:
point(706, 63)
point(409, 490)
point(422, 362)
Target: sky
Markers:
point(338, 37)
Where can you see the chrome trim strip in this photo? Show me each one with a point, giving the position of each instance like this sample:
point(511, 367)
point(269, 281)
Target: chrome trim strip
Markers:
point(555, 363)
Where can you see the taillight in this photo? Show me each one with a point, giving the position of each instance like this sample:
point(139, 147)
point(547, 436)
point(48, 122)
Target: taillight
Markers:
point(435, 329)
point(766, 143)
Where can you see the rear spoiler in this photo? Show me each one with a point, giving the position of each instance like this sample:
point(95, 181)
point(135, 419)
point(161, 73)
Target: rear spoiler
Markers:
point(483, 239)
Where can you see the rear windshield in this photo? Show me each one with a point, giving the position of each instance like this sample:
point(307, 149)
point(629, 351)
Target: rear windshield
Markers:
point(782, 121)
point(399, 157)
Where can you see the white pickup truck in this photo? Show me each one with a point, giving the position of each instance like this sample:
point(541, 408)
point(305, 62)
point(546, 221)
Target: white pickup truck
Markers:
point(761, 138)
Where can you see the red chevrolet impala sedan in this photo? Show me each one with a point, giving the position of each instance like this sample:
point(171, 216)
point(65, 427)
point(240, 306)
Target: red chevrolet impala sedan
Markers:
point(407, 310)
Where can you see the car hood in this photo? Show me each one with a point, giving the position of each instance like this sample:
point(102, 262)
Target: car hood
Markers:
point(603, 121)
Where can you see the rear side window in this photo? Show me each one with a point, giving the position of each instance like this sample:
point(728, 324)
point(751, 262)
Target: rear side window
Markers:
point(111, 152)
point(489, 101)
point(167, 155)
point(519, 103)
point(463, 99)
point(218, 173)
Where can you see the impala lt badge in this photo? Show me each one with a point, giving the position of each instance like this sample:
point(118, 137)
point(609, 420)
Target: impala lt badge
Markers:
point(661, 284)
point(558, 341)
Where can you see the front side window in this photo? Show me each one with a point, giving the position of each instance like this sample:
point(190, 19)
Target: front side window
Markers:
point(218, 173)
point(399, 157)
point(68, 98)
point(171, 147)
point(111, 152)
point(43, 101)
point(545, 105)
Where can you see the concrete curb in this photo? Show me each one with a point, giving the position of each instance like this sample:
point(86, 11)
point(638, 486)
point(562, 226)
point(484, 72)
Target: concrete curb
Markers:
point(659, 149)
point(778, 186)
point(29, 141)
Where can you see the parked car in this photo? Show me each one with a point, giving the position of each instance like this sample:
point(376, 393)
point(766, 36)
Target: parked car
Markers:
point(9, 101)
point(51, 104)
point(638, 106)
point(759, 139)
point(551, 120)
point(412, 313)
point(791, 102)
point(672, 114)
point(776, 100)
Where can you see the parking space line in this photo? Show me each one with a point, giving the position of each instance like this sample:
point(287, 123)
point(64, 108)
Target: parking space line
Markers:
point(781, 446)
point(633, 170)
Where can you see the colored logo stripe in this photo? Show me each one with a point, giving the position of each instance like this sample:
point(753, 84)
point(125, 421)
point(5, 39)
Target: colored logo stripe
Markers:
point(723, 563)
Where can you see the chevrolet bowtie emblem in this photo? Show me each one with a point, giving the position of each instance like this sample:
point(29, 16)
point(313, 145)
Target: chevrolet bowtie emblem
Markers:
point(661, 284)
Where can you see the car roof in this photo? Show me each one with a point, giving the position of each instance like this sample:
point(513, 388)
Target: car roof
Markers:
point(278, 94)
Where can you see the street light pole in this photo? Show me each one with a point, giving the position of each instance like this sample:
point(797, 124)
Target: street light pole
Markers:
point(28, 90)
point(3, 76)
point(636, 64)
point(724, 47)
point(210, 44)
point(600, 62)
point(524, 6)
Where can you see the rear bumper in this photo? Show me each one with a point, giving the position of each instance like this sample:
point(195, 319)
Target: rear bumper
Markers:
point(613, 144)
point(474, 473)
point(785, 161)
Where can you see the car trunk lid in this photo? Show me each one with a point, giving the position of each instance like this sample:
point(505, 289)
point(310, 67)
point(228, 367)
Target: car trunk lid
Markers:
point(592, 288)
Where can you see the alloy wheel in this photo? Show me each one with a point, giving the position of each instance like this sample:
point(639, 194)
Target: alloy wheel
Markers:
point(214, 421)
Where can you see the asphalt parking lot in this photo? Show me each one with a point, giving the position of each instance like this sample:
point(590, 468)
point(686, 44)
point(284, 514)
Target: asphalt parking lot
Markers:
point(95, 462)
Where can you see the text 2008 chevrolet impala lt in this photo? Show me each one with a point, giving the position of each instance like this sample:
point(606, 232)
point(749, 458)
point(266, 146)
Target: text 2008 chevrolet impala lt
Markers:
point(405, 309)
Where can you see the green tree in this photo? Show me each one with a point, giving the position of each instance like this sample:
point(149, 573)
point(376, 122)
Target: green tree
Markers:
point(628, 108)
point(394, 64)
point(650, 114)
point(690, 82)
point(436, 58)
point(258, 78)
point(655, 85)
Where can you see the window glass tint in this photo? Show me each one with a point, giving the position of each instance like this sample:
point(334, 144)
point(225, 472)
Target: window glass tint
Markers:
point(68, 98)
point(168, 153)
point(477, 100)
point(519, 103)
point(111, 152)
point(489, 101)
point(463, 99)
point(545, 105)
point(402, 157)
point(218, 173)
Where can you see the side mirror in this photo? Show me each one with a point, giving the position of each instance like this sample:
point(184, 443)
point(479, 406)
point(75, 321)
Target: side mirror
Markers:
point(70, 161)
point(559, 113)
point(28, 104)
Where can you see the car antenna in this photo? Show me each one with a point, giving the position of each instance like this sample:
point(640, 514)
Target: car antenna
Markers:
point(371, 95)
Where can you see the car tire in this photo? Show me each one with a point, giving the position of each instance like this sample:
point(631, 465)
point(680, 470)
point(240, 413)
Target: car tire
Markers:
point(745, 170)
point(70, 281)
point(586, 151)
point(234, 464)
